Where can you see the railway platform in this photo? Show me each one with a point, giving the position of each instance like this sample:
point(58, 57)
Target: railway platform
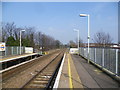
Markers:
point(69, 76)
point(77, 73)
point(7, 62)
point(15, 56)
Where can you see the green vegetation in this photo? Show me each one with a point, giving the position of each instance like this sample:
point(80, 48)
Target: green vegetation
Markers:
point(30, 38)
point(12, 42)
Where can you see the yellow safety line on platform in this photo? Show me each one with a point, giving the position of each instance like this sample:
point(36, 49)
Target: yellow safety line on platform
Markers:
point(70, 76)
point(76, 73)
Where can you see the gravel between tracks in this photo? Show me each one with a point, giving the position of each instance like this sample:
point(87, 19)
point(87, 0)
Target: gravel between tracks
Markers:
point(20, 79)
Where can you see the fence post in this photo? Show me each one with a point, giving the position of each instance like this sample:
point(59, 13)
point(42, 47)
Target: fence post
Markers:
point(79, 51)
point(95, 55)
point(12, 50)
point(116, 62)
point(5, 51)
point(90, 54)
point(17, 50)
point(103, 58)
point(21, 50)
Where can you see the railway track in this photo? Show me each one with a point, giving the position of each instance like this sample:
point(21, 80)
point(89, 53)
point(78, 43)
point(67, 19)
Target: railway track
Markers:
point(45, 77)
point(17, 76)
point(15, 70)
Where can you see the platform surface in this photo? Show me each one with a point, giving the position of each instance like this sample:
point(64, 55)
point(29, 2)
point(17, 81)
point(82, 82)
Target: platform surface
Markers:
point(77, 73)
point(69, 77)
point(15, 56)
point(91, 76)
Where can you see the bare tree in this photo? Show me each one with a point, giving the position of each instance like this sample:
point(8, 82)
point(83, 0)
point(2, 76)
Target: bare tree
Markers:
point(80, 41)
point(72, 44)
point(108, 39)
point(102, 38)
point(8, 30)
point(17, 33)
point(38, 39)
point(4, 35)
point(30, 34)
point(31, 37)
point(10, 27)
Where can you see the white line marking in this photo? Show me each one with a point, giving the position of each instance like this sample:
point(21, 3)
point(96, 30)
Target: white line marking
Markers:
point(14, 66)
point(59, 74)
point(17, 57)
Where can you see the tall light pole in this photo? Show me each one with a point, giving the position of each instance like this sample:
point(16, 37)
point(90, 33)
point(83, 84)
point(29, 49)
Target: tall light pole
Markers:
point(20, 39)
point(87, 15)
point(78, 38)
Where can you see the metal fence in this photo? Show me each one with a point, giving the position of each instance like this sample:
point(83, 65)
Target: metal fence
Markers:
point(12, 51)
point(105, 57)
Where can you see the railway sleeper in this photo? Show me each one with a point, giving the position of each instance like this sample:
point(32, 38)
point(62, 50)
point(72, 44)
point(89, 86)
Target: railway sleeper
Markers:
point(47, 74)
point(40, 82)
point(44, 76)
point(44, 79)
point(37, 86)
point(48, 71)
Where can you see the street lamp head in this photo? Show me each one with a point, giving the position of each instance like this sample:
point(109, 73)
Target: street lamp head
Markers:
point(83, 15)
point(75, 29)
point(22, 30)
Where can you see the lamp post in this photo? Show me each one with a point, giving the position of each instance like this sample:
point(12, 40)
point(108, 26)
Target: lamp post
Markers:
point(20, 39)
point(78, 38)
point(87, 15)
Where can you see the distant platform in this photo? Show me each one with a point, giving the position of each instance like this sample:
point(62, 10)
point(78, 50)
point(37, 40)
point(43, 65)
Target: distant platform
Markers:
point(3, 59)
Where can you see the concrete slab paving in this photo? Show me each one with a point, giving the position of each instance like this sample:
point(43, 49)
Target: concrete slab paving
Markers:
point(69, 77)
point(64, 79)
point(92, 77)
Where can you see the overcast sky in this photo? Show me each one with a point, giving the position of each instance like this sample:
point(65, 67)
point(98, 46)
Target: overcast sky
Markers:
point(58, 19)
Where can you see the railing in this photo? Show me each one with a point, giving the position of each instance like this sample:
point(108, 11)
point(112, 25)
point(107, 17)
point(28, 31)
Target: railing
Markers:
point(12, 51)
point(105, 57)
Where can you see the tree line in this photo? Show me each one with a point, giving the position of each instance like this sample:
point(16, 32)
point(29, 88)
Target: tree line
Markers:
point(101, 39)
point(30, 38)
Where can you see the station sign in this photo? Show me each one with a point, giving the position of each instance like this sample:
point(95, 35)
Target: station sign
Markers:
point(2, 46)
point(28, 50)
point(73, 51)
